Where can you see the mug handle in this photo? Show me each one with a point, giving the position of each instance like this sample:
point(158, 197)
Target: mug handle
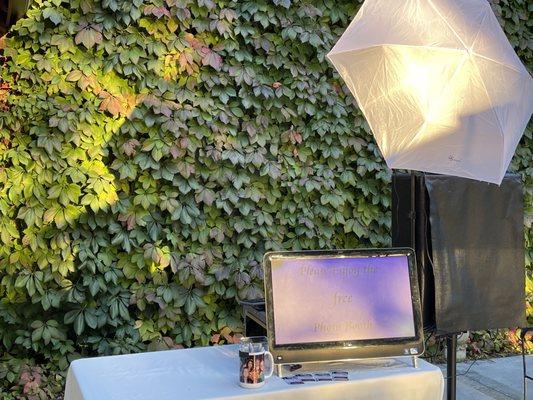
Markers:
point(271, 358)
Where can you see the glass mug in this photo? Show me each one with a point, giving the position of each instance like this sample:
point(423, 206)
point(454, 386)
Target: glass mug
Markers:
point(253, 371)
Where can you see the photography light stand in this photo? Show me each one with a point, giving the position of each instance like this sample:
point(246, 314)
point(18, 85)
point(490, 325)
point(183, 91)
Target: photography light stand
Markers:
point(451, 366)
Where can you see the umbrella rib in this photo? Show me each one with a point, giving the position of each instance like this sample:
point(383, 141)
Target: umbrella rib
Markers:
point(479, 29)
point(487, 13)
point(446, 22)
point(501, 63)
point(422, 126)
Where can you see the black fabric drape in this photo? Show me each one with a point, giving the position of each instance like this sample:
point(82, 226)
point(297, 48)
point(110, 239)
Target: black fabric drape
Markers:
point(477, 240)
point(469, 242)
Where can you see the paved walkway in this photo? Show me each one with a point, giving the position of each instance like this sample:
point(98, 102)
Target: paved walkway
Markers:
point(497, 378)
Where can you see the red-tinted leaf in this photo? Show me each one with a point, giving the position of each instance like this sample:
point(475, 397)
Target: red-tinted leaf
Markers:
point(174, 151)
point(193, 42)
point(212, 59)
point(215, 338)
point(110, 103)
point(129, 147)
point(88, 37)
point(156, 11)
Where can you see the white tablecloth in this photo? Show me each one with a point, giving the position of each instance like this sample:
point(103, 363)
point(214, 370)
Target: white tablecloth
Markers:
point(212, 373)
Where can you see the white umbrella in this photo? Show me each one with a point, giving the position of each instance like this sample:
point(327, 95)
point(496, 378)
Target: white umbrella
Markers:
point(439, 84)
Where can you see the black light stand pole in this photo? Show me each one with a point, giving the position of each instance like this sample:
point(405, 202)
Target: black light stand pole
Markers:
point(451, 366)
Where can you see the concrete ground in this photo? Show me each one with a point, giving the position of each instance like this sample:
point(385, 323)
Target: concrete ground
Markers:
point(497, 378)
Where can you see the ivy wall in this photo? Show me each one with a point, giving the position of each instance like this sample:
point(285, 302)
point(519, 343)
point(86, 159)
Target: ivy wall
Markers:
point(152, 150)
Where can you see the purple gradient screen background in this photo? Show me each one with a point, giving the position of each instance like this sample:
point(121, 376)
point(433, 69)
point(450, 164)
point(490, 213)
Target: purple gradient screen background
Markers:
point(336, 299)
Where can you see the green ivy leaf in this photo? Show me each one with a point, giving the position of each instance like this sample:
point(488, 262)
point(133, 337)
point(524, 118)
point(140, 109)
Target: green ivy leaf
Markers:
point(79, 323)
point(53, 15)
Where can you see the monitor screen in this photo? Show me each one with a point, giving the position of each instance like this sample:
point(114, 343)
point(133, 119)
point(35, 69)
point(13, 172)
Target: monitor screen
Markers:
point(319, 298)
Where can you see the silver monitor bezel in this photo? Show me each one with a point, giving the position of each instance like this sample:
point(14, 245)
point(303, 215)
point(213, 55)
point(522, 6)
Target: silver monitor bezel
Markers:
point(344, 350)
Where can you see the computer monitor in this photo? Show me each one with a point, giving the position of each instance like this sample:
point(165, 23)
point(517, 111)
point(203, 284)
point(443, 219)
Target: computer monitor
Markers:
point(342, 304)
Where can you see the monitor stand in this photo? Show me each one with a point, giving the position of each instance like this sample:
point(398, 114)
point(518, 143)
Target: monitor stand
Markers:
point(283, 370)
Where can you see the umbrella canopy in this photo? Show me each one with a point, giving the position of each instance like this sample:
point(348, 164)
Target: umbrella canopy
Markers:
point(439, 84)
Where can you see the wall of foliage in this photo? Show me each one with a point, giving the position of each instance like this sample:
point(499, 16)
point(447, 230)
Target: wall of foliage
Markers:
point(152, 150)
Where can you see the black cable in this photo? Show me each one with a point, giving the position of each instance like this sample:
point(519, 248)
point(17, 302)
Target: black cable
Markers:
point(468, 369)
point(466, 372)
point(436, 352)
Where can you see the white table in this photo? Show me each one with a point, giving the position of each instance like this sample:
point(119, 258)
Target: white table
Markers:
point(211, 373)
